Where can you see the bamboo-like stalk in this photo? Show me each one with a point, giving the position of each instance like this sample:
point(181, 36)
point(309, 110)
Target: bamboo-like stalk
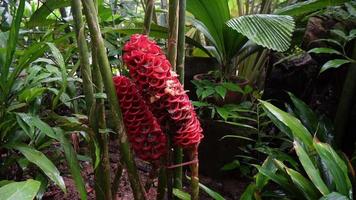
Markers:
point(162, 183)
point(178, 152)
point(172, 32)
point(105, 70)
point(102, 172)
point(148, 17)
point(194, 182)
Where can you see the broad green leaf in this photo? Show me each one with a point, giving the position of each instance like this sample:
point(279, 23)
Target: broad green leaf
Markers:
point(336, 166)
point(25, 190)
point(35, 121)
point(351, 9)
point(280, 179)
point(181, 194)
point(304, 185)
point(223, 112)
point(333, 64)
point(40, 16)
point(249, 192)
point(208, 92)
point(200, 104)
point(214, 195)
point(339, 33)
point(297, 129)
point(230, 166)
point(73, 163)
point(60, 62)
point(324, 50)
point(310, 169)
point(304, 113)
point(304, 7)
point(270, 31)
point(12, 41)
point(221, 91)
point(232, 87)
point(29, 94)
point(334, 196)
point(262, 180)
point(39, 159)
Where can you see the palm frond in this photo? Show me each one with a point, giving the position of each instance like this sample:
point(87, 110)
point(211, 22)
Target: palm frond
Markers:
point(270, 31)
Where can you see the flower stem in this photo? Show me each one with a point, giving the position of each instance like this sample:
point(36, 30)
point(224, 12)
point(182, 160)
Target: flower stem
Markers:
point(104, 66)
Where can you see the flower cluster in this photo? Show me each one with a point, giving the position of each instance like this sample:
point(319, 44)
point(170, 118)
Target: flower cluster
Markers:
point(160, 87)
point(143, 130)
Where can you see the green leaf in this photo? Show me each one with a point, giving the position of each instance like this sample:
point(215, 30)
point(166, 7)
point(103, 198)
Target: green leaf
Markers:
point(295, 127)
point(336, 166)
point(40, 16)
point(221, 91)
point(277, 178)
point(310, 169)
point(262, 180)
point(12, 41)
point(181, 194)
point(339, 33)
point(73, 163)
point(230, 166)
point(25, 190)
point(200, 104)
point(60, 62)
point(334, 196)
point(233, 87)
point(304, 113)
point(249, 192)
point(223, 112)
point(305, 7)
point(270, 31)
point(324, 50)
point(333, 64)
point(214, 195)
point(304, 185)
point(39, 159)
point(208, 92)
point(29, 94)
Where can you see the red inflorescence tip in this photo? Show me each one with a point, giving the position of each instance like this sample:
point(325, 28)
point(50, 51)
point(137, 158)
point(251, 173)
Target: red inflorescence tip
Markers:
point(161, 89)
point(143, 130)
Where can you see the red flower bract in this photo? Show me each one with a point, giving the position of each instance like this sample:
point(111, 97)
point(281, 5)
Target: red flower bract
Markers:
point(160, 87)
point(144, 133)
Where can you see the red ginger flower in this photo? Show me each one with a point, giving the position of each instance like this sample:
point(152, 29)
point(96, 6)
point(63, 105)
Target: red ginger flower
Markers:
point(144, 133)
point(150, 70)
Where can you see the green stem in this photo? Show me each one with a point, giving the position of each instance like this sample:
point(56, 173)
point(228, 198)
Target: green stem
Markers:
point(148, 17)
point(172, 32)
point(162, 183)
point(98, 42)
point(102, 172)
point(345, 102)
point(116, 182)
point(178, 152)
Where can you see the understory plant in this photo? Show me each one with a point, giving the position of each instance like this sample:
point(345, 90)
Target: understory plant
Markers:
point(318, 172)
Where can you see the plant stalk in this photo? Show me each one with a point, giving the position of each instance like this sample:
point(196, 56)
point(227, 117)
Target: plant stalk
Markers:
point(102, 172)
point(97, 41)
point(178, 152)
point(194, 182)
point(172, 32)
point(148, 17)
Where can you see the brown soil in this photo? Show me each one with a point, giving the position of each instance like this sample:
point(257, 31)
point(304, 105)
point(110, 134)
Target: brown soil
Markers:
point(230, 189)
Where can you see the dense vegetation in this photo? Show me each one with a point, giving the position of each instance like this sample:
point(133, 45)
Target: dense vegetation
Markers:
point(177, 99)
